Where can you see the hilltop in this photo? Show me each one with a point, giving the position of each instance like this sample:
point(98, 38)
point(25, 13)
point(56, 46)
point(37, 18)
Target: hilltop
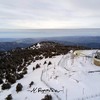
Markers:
point(25, 66)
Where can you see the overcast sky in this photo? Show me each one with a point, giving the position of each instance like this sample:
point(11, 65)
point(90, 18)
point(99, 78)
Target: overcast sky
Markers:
point(34, 14)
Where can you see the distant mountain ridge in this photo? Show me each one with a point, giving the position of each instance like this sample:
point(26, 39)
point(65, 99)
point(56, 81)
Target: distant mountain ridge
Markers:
point(89, 42)
point(73, 39)
point(5, 46)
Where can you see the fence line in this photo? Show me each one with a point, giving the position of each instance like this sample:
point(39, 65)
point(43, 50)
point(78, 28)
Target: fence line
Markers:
point(43, 71)
point(61, 60)
point(80, 98)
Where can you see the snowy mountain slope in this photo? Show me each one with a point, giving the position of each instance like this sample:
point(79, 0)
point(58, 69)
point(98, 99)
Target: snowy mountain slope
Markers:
point(71, 78)
point(34, 76)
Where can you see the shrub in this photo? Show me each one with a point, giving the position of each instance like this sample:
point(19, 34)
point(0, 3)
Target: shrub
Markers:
point(33, 68)
point(47, 97)
point(25, 69)
point(12, 80)
point(1, 81)
point(7, 76)
point(24, 72)
point(20, 68)
point(49, 63)
point(9, 97)
point(6, 86)
point(37, 58)
point(19, 87)
point(37, 66)
point(40, 57)
point(45, 62)
point(31, 84)
point(1, 74)
point(19, 76)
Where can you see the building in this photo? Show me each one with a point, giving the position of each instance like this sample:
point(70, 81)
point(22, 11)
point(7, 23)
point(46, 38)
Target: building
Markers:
point(97, 58)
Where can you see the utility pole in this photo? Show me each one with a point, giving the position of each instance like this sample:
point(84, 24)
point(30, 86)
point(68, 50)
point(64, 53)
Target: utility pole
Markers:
point(83, 91)
point(83, 94)
point(66, 94)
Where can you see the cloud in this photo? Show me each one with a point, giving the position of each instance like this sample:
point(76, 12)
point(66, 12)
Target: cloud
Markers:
point(49, 13)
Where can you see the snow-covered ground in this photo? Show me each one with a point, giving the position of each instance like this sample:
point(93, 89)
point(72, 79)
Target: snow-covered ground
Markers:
point(74, 75)
point(73, 79)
